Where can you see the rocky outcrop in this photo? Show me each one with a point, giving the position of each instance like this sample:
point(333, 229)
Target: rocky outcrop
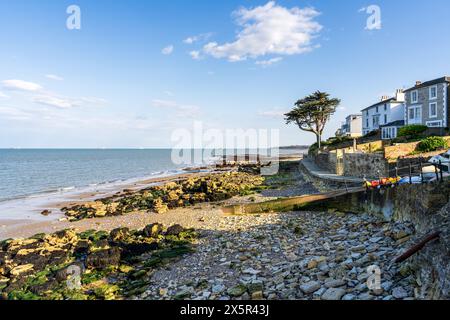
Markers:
point(88, 265)
point(159, 199)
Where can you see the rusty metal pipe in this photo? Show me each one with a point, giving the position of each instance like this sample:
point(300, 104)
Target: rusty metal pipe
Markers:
point(418, 247)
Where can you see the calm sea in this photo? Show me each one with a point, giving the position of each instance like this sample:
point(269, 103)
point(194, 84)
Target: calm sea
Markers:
point(26, 172)
point(35, 179)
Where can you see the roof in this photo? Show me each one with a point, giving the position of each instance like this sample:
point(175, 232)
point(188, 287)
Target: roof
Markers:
point(429, 83)
point(382, 102)
point(354, 115)
point(398, 123)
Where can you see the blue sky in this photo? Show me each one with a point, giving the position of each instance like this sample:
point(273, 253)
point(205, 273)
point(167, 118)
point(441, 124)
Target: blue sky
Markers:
point(112, 84)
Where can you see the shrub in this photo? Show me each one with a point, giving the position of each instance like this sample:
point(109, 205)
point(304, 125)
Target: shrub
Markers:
point(411, 130)
point(371, 134)
point(432, 144)
point(315, 147)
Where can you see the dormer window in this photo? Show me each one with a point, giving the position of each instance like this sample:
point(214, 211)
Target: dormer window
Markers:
point(433, 92)
point(414, 96)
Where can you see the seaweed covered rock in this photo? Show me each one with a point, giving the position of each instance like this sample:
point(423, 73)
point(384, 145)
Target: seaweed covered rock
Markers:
point(153, 230)
point(103, 259)
point(159, 199)
point(88, 265)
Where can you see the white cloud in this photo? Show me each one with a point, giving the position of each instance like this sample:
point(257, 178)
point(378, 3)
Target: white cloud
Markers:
point(21, 85)
point(200, 37)
point(4, 96)
point(54, 77)
point(275, 113)
point(92, 100)
point(269, 29)
point(54, 101)
point(167, 50)
point(269, 62)
point(181, 109)
point(195, 55)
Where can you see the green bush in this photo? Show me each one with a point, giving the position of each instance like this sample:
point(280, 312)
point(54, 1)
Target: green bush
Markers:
point(432, 144)
point(315, 147)
point(411, 130)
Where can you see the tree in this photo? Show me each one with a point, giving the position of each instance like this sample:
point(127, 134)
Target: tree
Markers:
point(313, 112)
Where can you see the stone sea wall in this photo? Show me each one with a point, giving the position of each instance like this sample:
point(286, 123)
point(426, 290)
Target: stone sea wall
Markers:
point(427, 207)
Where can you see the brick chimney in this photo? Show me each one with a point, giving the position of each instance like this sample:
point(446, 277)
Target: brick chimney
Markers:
point(383, 98)
point(418, 83)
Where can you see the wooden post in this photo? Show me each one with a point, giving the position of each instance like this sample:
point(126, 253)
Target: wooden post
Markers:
point(440, 168)
point(436, 171)
point(421, 171)
point(410, 172)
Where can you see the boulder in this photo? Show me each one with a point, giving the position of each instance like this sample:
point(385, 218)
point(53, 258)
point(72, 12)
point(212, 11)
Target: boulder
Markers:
point(119, 234)
point(22, 270)
point(153, 230)
point(46, 212)
point(159, 206)
point(103, 259)
point(310, 287)
point(174, 230)
point(237, 290)
point(333, 294)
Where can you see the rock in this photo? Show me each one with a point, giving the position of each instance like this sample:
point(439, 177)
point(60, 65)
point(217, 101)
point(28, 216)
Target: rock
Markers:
point(333, 294)
point(255, 286)
point(349, 297)
point(237, 290)
point(119, 234)
point(163, 292)
point(174, 230)
point(312, 264)
point(159, 206)
point(399, 293)
point(334, 283)
point(251, 271)
point(22, 270)
point(153, 230)
point(258, 295)
point(183, 294)
point(46, 212)
point(310, 287)
point(218, 288)
point(400, 235)
point(375, 239)
point(103, 258)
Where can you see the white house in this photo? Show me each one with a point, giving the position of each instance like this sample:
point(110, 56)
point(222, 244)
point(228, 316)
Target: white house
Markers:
point(385, 115)
point(352, 126)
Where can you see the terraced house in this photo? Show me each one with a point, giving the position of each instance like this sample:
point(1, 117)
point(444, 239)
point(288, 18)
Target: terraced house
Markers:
point(389, 111)
point(427, 103)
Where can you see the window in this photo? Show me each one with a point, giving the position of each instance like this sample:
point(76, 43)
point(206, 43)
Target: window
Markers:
point(415, 115)
point(414, 96)
point(433, 110)
point(367, 123)
point(385, 119)
point(385, 107)
point(433, 92)
point(434, 124)
point(376, 121)
point(376, 110)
